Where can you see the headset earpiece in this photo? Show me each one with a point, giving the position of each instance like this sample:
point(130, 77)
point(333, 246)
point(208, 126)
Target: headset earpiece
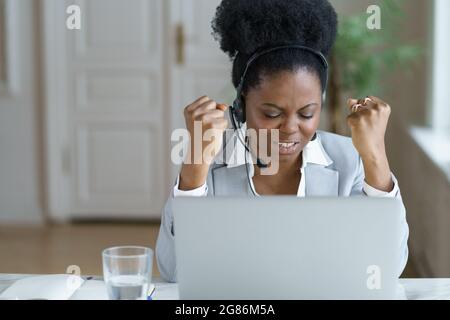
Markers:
point(239, 110)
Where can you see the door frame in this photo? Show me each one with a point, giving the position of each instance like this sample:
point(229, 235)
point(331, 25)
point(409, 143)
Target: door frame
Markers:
point(55, 114)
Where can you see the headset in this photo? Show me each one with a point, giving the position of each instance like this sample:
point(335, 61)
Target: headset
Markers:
point(237, 110)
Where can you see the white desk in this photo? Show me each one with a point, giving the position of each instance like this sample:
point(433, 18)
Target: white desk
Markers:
point(415, 289)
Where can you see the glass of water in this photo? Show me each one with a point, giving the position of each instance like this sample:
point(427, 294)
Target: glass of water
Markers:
point(127, 272)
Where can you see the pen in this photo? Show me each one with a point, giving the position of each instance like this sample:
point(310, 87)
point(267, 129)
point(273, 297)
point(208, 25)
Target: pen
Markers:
point(151, 292)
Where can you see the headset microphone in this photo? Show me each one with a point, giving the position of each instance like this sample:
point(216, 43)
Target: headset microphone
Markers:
point(237, 129)
point(260, 164)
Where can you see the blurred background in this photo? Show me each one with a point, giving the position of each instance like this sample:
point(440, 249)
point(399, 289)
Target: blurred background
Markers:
point(86, 118)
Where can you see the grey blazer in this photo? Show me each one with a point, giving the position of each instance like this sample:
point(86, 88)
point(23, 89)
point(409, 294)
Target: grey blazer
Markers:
point(343, 177)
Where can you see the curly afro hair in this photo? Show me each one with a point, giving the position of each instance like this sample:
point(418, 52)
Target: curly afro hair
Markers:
point(244, 27)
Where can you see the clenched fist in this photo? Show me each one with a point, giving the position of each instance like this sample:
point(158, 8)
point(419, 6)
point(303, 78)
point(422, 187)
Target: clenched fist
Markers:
point(368, 122)
point(206, 121)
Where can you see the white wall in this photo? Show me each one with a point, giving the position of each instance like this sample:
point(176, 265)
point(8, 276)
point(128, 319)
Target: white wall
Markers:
point(21, 199)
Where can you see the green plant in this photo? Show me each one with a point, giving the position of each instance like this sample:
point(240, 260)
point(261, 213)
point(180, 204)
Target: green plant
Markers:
point(362, 58)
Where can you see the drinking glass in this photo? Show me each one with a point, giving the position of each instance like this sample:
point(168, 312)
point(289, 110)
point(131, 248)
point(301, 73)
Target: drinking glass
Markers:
point(127, 272)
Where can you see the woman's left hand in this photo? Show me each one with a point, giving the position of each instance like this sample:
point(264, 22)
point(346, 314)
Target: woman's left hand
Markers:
point(368, 122)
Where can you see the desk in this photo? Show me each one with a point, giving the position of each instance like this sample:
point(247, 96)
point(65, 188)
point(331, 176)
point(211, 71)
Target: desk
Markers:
point(414, 289)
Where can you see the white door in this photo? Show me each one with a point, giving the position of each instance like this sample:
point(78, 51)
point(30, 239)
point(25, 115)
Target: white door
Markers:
point(198, 66)
point(105, 109)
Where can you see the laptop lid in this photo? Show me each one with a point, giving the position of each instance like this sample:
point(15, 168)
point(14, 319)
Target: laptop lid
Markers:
point(287, 247)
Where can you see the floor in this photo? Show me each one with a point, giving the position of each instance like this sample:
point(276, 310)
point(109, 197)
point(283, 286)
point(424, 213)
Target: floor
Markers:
point(52, 249)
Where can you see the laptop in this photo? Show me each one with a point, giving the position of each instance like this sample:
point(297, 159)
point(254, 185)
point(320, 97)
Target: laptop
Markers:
point(287, 247)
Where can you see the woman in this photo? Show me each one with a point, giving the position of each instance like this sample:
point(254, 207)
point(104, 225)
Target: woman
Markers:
point(282, 89)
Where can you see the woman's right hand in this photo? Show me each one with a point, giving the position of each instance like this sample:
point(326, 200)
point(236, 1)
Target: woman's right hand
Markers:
point(206, 114)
